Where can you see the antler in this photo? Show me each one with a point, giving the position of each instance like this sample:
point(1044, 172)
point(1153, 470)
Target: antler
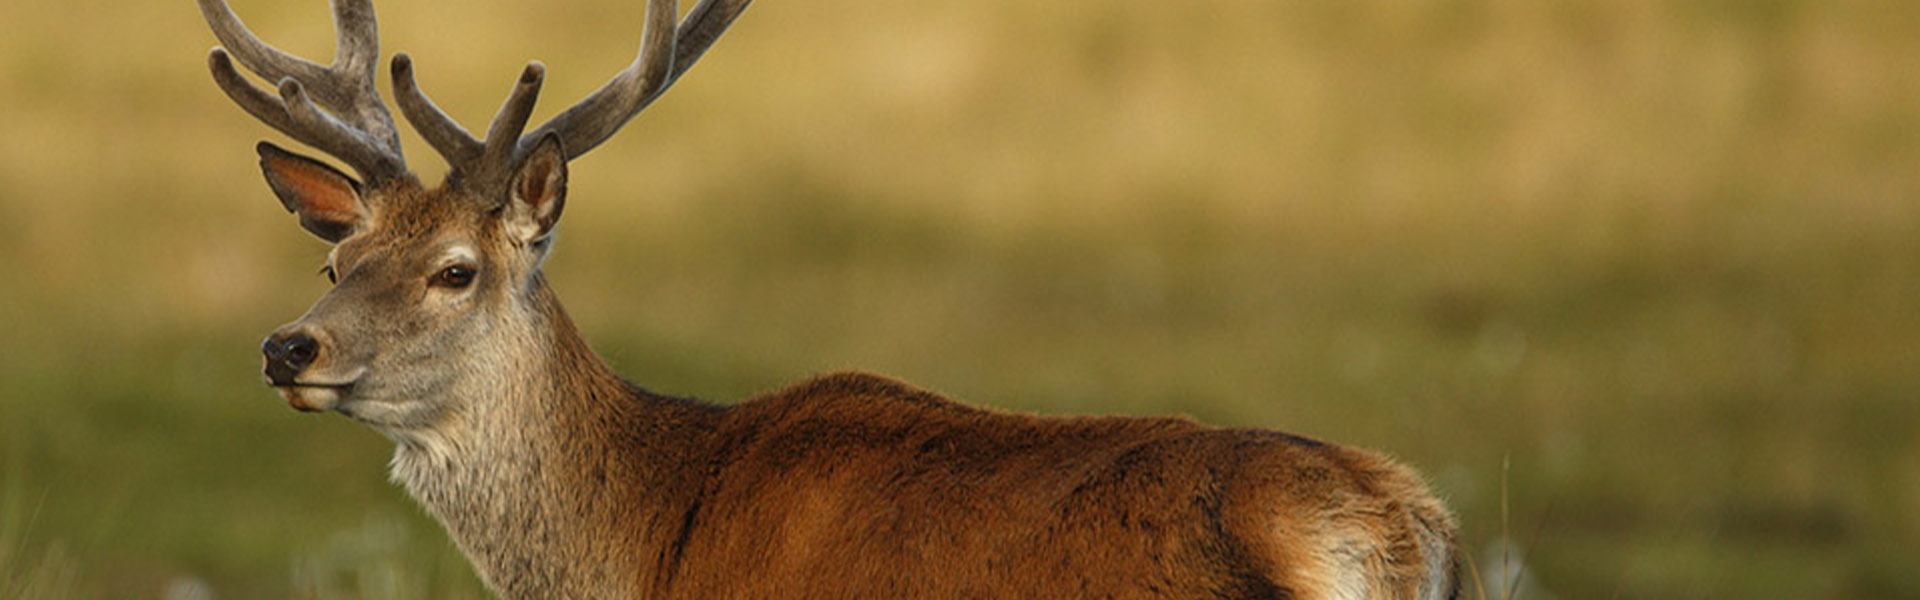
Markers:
point(355, 127)
point(665, 53)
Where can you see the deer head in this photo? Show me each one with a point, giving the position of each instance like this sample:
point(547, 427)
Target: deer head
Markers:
point(435, 288)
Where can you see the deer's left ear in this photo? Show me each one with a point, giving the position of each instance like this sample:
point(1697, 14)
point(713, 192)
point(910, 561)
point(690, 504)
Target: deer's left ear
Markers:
point(538, 191)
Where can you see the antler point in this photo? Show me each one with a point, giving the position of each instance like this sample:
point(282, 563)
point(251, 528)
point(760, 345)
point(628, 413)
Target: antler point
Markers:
point(290, 89)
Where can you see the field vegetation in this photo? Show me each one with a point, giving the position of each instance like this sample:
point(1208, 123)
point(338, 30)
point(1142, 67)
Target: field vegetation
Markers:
point(1661, 257)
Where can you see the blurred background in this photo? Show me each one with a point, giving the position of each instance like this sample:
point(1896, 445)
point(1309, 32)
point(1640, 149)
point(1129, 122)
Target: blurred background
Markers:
point(1636, 283)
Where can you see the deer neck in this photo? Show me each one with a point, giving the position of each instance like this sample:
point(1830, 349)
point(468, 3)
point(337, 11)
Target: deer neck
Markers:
point(554, 473)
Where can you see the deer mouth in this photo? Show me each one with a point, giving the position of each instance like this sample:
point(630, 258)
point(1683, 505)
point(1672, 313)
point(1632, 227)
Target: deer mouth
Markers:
point(314, 397)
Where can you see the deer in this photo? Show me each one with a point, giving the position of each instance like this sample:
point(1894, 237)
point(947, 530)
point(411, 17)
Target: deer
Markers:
point(557, 478)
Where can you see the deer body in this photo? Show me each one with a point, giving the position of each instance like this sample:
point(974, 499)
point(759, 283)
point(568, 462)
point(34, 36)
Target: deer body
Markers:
point(559, 479)
point(854, 485)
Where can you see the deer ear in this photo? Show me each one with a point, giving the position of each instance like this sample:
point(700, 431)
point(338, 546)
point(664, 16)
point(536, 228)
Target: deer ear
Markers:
point(538, 191)
point(327, 200)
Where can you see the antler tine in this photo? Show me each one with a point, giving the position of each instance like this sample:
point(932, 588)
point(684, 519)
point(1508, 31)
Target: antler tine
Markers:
point(257, 102)
point(442, 132)
point(356, 127)
point(503, 136)
point(700, 30)
point(261, 58)
point(337, 138)
point(356, 37)
point(595, 118)
point(665, 53)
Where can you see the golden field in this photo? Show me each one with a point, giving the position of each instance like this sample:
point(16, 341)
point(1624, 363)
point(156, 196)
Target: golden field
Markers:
point(1635, 282)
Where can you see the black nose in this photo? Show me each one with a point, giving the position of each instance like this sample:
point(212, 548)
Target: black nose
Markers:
point(287, 355)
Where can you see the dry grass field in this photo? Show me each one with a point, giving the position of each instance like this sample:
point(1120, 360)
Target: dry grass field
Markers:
point(1661, 257)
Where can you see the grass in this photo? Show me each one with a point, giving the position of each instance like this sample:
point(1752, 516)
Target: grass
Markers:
point(1663, 255)
point(29, 568)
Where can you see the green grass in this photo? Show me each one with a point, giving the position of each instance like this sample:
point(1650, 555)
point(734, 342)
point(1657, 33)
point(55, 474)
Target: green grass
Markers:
point(1663, 255)
point(29, 568)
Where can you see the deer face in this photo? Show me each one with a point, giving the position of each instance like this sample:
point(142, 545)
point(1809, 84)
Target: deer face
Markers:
point(432, 288)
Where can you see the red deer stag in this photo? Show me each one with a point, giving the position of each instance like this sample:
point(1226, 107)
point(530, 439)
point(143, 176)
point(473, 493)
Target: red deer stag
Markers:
point(559, 479)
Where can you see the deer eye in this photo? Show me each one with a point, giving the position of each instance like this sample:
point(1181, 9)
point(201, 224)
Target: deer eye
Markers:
point(453, 277)
point(328, 271)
